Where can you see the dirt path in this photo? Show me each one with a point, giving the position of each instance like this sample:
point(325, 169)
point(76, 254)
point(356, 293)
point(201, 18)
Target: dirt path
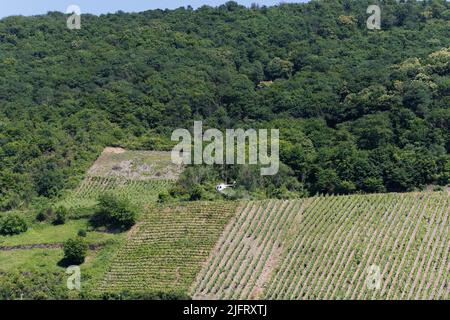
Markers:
point(42, 246)
point(113, 150)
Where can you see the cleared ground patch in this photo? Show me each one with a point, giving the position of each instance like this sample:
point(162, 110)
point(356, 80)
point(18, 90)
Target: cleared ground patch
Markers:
point(139, 175)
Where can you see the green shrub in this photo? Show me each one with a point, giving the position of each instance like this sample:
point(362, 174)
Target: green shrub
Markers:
point(115, 212)
point(196, 193)
point(12, 224)
point(75, 250)
point(33, 285)
point(177, 191)
point(40, 217)
point(163, 197)
point(60, 216)
point(159, 295)
point(82, 233)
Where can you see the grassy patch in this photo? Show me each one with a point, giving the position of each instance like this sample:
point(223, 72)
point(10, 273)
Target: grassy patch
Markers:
point(50, 234)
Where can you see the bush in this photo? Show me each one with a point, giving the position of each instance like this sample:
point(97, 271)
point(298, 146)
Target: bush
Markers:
point(115, 212)
point(196, 193)
point(163, 197)
point(374, 185)
point(82, 233)
point(45, 214)
point(12, 224)
point(60, 216)
point(75, 250)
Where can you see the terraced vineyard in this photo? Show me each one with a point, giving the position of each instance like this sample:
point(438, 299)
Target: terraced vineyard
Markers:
point(361, 247)
point(166, 249)
point(140, 175)
point(140, 191)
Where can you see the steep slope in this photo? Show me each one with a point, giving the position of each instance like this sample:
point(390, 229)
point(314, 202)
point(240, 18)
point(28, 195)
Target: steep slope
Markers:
point(314, 67)
point(166, 249)
point(360, 247)
point(139, 175)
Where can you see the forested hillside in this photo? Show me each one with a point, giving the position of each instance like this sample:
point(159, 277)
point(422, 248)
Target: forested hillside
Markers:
point(358, 109)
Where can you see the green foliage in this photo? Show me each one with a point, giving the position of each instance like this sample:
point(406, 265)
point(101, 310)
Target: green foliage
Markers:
point(352, 104)
point(158, 295)
point(278, 68)
point(33, 286)
point(163, 197)
point(75, 251)
point(12, 224)
point(162, 258)
point(196, 193)
point(371, 184)
point(199, 183)
point(45, 215)
point(115, 212)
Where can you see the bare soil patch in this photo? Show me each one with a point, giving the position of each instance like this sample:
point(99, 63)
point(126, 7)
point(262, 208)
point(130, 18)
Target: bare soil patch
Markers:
point(135, 165)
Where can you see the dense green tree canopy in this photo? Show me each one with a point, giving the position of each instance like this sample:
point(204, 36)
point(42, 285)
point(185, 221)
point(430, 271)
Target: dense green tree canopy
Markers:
point(358, 109)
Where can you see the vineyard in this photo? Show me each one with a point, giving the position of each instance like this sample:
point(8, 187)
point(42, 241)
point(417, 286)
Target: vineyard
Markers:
point(378, 246)
point(166, 249)
point(135, 165)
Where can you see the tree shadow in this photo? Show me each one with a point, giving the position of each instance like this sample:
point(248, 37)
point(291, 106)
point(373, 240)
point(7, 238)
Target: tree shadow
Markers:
point(100, 223)
point(64, 263)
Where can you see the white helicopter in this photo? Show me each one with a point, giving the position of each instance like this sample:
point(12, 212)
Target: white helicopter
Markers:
point(221, 187)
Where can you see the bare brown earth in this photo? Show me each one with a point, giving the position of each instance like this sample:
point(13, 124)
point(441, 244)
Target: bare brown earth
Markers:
point(135, 165)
